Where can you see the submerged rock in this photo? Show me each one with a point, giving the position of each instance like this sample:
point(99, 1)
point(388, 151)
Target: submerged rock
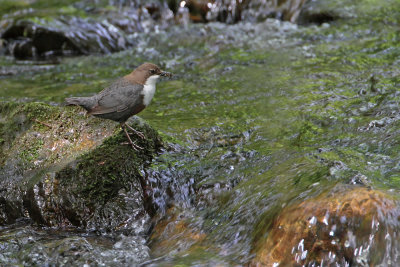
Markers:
point(173, 234)
point(356, 226)
point(62, 168)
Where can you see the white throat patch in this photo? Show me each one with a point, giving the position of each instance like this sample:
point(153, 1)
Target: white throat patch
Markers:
point(149, 89)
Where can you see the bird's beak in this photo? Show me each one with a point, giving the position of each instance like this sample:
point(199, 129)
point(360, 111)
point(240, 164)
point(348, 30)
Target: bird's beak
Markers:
point(166, 74)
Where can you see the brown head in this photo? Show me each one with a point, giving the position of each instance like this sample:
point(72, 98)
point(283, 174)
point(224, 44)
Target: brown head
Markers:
point(144, 71)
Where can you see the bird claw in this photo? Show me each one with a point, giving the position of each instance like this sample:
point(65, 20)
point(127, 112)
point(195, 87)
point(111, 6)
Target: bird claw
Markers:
point(140, 134)
point(134, 146)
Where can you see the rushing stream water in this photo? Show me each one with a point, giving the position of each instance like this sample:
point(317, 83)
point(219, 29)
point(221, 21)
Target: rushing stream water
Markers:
point(260, 117)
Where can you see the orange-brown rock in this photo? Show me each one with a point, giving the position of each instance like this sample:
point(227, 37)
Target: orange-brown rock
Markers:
point(173, 234)
point(345, 227)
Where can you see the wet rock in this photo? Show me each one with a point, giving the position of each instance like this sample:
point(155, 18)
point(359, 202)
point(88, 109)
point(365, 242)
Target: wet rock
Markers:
point(74, 36)
point(235, 11)
point(319, 18)
point(82, 28)
point(60, 168)
point(349, 226)
point(27, 40)
point(316, 13)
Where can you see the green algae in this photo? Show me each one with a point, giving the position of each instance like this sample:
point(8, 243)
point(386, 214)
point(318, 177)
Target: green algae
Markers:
point(41, 8)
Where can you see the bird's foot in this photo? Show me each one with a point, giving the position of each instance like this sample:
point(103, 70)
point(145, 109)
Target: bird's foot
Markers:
point(134, 146)
point(140, 134)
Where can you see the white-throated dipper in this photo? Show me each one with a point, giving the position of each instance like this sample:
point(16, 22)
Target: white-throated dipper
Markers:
point(124, 98)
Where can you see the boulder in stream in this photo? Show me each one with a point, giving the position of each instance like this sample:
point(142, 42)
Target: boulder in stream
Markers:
point(26, 39)
point(351, 226)
point(60, 167)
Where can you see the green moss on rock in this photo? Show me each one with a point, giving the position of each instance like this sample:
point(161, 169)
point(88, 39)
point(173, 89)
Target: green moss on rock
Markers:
point(101, 173)
point(64, 167)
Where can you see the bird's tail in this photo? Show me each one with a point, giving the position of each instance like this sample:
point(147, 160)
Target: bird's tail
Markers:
point(85, 102)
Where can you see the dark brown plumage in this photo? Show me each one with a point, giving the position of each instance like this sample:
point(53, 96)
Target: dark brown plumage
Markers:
point(124, 98)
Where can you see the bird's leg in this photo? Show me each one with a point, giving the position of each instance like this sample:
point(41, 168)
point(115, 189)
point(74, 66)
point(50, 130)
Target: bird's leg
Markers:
point(140, 134)
point(134, 146)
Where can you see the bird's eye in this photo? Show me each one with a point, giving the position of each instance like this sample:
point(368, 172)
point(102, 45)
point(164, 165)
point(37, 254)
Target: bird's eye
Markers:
point(152, 71)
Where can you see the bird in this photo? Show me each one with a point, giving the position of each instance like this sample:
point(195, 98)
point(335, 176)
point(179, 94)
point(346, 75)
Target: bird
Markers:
point(125, 97)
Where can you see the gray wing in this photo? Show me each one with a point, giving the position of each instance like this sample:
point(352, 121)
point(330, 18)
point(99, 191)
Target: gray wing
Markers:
point(117, 97)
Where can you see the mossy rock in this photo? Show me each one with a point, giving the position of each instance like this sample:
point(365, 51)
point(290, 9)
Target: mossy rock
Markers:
point(61, 167)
